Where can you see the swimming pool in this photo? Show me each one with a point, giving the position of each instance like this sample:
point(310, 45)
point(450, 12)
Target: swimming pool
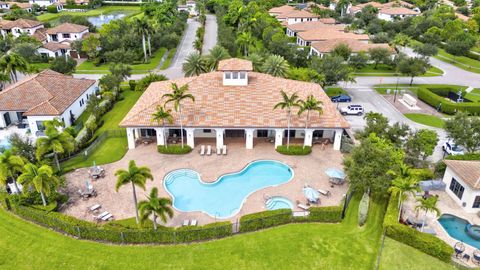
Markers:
point(4, 144)
point(224, 197)
point(278, 202)
point(456, 228)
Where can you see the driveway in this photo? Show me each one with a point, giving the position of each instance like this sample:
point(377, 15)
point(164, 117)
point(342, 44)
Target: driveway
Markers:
point(211, 28)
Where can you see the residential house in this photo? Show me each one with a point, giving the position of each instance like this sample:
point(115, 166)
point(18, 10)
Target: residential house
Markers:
point(393, 13)
point(281, 10)
point(324, 47)
point(297, 16)
point(462, 178)
point(66, 31)
point(306, 38)
point(42, 97)
point(4, 5)
point(388, 11)
point(22, 5)
point(294, 29)
point(190, 7)
point(54, 49)
point(21, 26)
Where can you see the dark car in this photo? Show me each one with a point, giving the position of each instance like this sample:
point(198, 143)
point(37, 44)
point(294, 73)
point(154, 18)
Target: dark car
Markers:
point(341, 98)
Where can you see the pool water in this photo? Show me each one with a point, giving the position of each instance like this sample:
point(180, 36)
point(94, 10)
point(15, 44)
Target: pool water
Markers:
point(100, 20)
point(4, 144)
point(455, 227)
point(278, 202)
point(224, 197)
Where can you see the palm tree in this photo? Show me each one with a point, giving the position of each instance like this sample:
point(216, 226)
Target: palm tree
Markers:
point(343, 6)
point(42, 179)
point(257, 61)
point(158, 207)
point(55, 142)
point(402, 184)
point(275, 65)
point(137, 176)
point(194, 65)
point(10, 165)
point(141, 26)
point(4, 78)
point(13, 63)
point(428, 205)
point(244, 41)
point(177, 96)
point(311, 104)
point(288, 103)
point(162, 115)
point(216, 54)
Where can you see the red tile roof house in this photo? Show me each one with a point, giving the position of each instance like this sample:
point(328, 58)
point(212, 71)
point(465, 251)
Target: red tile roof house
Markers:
point(321, 48)
point(234, 101)
point(17, 27)
point(66, 31)
point(297, 16)
point(390, 14)
point(306, 38)
point(42, 97)
point(294, 29)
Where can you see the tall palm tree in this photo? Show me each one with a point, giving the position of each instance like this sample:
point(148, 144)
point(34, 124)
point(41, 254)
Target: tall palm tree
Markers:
point(12, 63)
point(244, 41)
point(55, 142)
point(4, 78)
point(216, 54)
point(158, 207)
point(41, 178)
point(275, 65)
point(287, 104)
point(178, 95)
point(428, 205)
point(194, 65)
point(137, 176)
point(257, 61)
point(404, 183)
point(10, 165)
point(310, 104)
point(162, 115)
point(141, 26)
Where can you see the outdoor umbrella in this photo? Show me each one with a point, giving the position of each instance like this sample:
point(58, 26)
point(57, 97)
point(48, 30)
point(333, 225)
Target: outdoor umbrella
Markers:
point(311, 194)
point(335, 173)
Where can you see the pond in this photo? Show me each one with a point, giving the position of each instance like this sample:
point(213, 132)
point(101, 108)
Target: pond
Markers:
point(102, 19)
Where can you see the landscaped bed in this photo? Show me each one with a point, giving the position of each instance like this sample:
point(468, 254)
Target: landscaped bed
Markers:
point(386, 71)
point(426, 119)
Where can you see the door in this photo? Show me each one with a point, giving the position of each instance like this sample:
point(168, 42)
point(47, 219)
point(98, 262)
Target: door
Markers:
point(6, 117)
point(235, 133)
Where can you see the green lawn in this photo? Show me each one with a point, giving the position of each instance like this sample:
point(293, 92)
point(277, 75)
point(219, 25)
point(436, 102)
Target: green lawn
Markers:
point(462, 62)
point(426, 119)
point(386, 71)
point(333, 91)
point(93, 12)
point(169, 58)
point(112, 149)
point(474, 95)
point(382, 88)
point(88, 67)
point(40, 66)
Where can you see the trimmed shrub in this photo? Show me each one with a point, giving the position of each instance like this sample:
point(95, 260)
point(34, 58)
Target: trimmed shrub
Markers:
point(294, 150)
point(328, 214)
point(132, 84)
point(423, 174)
point(426, 243)
point(436, 96)
point(265, 219)
point(174, 149)
point(363, 209)
point(199, 233)
point(52, 9)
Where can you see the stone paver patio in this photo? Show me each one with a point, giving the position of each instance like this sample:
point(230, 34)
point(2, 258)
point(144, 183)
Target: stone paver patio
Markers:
point(307, 170)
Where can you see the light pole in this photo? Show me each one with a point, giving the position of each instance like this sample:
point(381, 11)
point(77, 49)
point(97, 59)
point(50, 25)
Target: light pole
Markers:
point(395, 92)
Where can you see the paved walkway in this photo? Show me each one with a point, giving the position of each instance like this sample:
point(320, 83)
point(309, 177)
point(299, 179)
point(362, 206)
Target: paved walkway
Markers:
point(211, 33)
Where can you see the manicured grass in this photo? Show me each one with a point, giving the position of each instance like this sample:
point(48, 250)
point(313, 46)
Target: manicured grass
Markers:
point(333, 91)
point(88, 67)
point(386, 71)
point(462, 62)
point(397, 255)
point(168, 61)
point(382, 88)
point(112, 149)
point(474, 95)
point(93, 12)
point(426, 119)
point(40, 66)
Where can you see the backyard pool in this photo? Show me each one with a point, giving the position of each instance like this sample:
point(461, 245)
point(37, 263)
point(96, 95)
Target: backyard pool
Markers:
point(224, 197)
point(457, 228)
point(278, 202)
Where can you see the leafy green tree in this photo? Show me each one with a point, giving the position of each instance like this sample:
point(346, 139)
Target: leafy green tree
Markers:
point(464, 130)
point(92, 106)
point(306, 75)
point(64, 65)
point(460, 44)
point(55, 142)
point(257, 61)
point(244, 41)
point(275, 65)
point(13, 63)
point(136, 176)
point(90, 46)
point(308, 105)
point(433, 36)
point(178, 95)
point(141, 26)
point(41, 178)
point(23, 146)
point(427, 205)
point(378, 124)
point(144, 82)
point(156, 207)
point(10, 166)
point(413, 67)
point(194, 65)
point(379, 55)
point(342, 50)
point(359, 60)
point(401, 40)
point(333, 68)
point(426, 50)
point(403, 183)
point(421, 144)
point(216, 54)
point(120, 70)
point(287, 104)
point(162, 115)
point(4, 78)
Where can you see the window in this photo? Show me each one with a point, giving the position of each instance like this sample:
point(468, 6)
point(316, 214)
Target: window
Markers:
point(476, 202)
point(66, 35)
point(207, 131)
point(242, 75)
point(228, 75)
point(234, 75)
point(456, 188)
point(40, 126)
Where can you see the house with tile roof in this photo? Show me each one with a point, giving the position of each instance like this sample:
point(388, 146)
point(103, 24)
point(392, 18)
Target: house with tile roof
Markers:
point(394, 13)
point(324, 47)
point(388, 11)
point(22, 5)
point(306, 38)
point(66, 31)
point(294, 29)
point(4, 5)
point(21, 26)
point(234, 102)
point(275, 11)
point(43, 97)
point(54, 49)
point(462, 178)
point(297, 16)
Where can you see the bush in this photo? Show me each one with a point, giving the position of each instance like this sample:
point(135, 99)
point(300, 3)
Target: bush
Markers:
point(265, 219)
point(423, 174)
point(294, 150)
point(329, 214)
point(52, 9)
point(174, 149)
point(436, 96)
point(426, 243)
point(132, 84)
point(363, 209)
point(206, 232)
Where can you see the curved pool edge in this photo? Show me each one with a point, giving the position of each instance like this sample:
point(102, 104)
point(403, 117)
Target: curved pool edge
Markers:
point(448, 234)
point(219, 179)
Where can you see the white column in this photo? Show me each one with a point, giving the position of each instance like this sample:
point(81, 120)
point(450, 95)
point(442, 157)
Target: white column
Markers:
point(219, 136)
point(190, 137)
point(278, 137)
point(160, 136)
point(131, 138)
point(137, 133)
point(249, 135)
point(337, 141)
point(308, 137)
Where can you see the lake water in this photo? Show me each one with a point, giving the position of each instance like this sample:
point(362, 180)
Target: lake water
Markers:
point(100, 20)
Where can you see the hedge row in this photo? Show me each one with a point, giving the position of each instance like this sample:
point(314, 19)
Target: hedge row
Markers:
point(265, 219)
point(436, 96)
point(327, 214)
point(427, 243)
point(294, 150)
point(174, 149)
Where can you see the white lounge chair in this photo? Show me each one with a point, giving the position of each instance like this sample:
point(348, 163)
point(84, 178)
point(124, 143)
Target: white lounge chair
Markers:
point(224, 149)
point(107, 217)
point(202, 150)
point(302, 206)
point(193, 222)
point(324, 192)
point(95, 207)
point(219, 150)
point(185, 222)
point(103, 214)
point(209, 150)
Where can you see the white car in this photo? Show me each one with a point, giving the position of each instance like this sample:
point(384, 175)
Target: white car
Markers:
point(452, 149)
point(352, 110)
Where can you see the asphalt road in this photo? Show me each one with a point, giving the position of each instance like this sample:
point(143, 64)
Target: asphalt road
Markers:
point(210, 39)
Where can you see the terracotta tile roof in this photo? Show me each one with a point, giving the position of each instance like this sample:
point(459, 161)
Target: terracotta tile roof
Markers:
point(3, 22)
point(21, 23)
point(467, 170)
point(359, 7)
point(235, 64)
point(217, 105)
point(397, 11)
point(329, 33)
point(20, 5)
point(326, 46)
point(67, 28)
point(56, 46)
point(327, 20)
point(297, 14)
point(398, 3)
point(45, 93)
point(304, 26)
point(282, 9)
point(310, 5)
point(381, 6)
point(40, 34)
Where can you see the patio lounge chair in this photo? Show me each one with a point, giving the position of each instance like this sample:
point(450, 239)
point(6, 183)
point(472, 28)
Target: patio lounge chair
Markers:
point(107, 217)
point(324, 192)
point(103, 215)
point(193, 222)
point(202, 150)
point(219, 151)
point(302, 206)
point(185, 222)
point(209, 150)
point(224, 150)
point(428, 230)
point(95, 207)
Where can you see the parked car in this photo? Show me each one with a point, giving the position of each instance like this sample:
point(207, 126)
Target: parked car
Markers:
point(341, 98)
point(352, 110)
point(452, 149)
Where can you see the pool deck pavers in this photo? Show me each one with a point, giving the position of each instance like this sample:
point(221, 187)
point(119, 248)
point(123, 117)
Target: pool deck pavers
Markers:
point(307, 169)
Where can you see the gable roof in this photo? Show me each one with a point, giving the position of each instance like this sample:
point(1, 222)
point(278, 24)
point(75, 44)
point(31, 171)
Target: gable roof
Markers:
point(40, 34)
point(235, 64)
point(397, 11)
point(67, 28)
point(21, 23)
point(45, 93)
point(304, 26)
point(467, 170)
point(20, 5)
point(329, 33)
point(281, 9)
point(326, 46)
point(297, 14)
point(55, 46)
